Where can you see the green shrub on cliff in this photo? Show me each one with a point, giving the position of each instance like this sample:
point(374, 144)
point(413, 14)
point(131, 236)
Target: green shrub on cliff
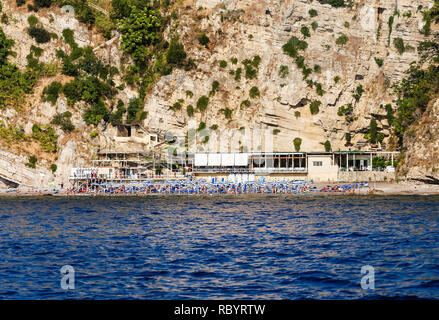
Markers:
point(327, 146)
point(304, 30)
point(297, 143)
point(399, 45)
point(88, 89)
point(32, 162)
point(334, 3)
point(64, 121)
point(95, 113)
point(238, 74)
point(176, 55)
point(201, 126)
point(319, 89)
point(120, 9)
point(389, 113)
point(293, 46)
point(204, 40)
point(14, 84)
point(312, 13)
point(40, 34)
point(223, 63)
point(190, 110)
point(245, 104)
point(227, 113)
point(141, 29)
point(348, 138)
point(32, 20)
point(215, 87)
point(12, 134)
point(117, 115)
point(345, 110)
point(314, 107)
point(283, 71)
point(429, 16)
point(254, 92)
point(51, 92)
point(251, 67)
point(176, 106)
point(379, 61)
point(373, 131)
point(414, 93)
point(358, 92)
point(202, 103)
point(42, 3)
point(135, 111)
point(45, 134)
point(342, 40)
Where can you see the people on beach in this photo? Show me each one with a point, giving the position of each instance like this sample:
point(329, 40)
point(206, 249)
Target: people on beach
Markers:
point(202, 187)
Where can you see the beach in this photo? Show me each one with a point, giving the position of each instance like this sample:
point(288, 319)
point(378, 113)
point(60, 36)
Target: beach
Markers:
point(394, 188)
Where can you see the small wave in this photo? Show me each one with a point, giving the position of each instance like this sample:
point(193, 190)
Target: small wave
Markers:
point(83, 210)
point(326, 280)
point(152, 273)
point(8, 293)
point(394, 297)
point(322, 234)
point(202, 274)
point(131, 259)
point(42, 253)
point(430, 284)
point(223, 248)
point(355, 234)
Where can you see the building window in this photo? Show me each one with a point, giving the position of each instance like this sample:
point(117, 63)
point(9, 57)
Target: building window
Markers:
point(317, 163)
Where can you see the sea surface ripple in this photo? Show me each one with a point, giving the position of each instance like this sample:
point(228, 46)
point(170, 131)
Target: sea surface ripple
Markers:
point(220, 247)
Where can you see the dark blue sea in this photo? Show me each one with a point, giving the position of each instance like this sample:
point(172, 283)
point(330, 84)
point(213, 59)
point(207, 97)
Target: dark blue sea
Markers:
point(220, 247)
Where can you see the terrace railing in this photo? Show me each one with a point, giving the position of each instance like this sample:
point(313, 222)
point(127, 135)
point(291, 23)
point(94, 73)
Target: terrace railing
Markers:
point(221, 170)
point(281, 170)
point(249, 170)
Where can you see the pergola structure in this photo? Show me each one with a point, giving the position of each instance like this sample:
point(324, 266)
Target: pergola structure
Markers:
point(361, 160)
point(116, 166)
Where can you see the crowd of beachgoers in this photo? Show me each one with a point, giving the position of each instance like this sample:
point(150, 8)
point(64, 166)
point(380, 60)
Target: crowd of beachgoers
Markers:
point(203, 187)
point(198, 187)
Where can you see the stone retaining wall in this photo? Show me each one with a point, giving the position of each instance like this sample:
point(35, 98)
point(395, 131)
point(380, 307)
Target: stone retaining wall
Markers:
point(349, 176)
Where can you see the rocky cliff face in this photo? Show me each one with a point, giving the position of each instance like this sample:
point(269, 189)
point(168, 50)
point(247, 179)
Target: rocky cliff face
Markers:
point(250, 28)
point(240, 30)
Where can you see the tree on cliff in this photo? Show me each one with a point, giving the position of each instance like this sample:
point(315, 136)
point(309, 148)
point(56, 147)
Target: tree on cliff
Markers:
point(5, 47)
point(373, 131)
point(140, 31)
point(421, 84)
